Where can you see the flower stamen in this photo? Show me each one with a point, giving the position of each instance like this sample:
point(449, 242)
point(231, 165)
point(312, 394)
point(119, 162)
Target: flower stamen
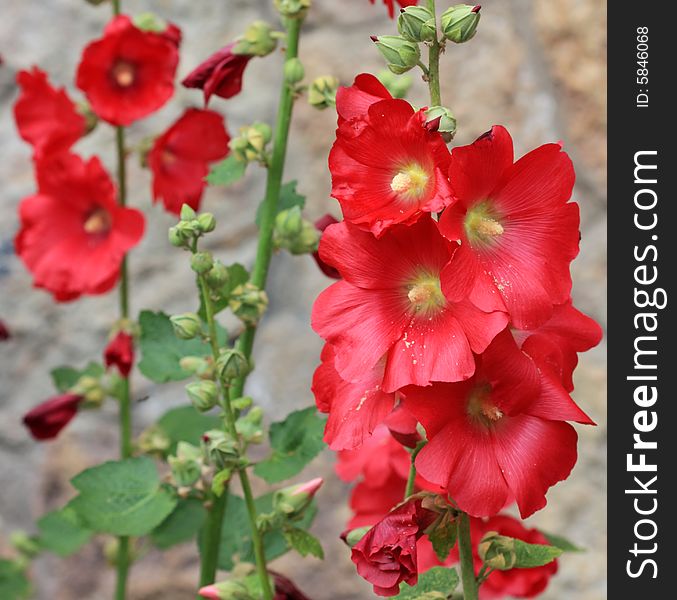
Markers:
point(97, 222)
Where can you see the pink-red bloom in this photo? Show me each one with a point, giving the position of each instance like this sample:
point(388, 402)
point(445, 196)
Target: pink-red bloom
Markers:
point(321, 224)
point(73, 234)
point(387, 168)
point(497, 437)
point(516, 583)
point(389, 307)
point(220, 74)
point(354, 101)
point(120, 353)
point(45, 116)
point(387, 554)
point(46, 420)
point(128, 73)
point(517, 230)
point(180, 158)
point(390, 4)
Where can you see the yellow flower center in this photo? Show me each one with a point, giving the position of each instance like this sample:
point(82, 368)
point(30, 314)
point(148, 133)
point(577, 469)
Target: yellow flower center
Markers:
point(425, 295)
point(482, 224)
point(410, 181)
point(97, 222)
point(123, 74)
point(481, 408)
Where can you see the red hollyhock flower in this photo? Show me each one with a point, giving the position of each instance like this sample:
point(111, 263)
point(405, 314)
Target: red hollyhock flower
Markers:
point(354, 101)
point(221, 74)
point(285, 588)
point(355, 409)
point(128, 73)
point(4, 331)
point(387, 168)
point(496, 437)
point(321, 224)
point(386, 555)
point(120, 353)
point(46, 420)
point(73, 234)
point(403, 426)
point(389, 306)
point(180, 158)
point(516, 583)
point(517, 231)
point(45, 116)
point(391, 5)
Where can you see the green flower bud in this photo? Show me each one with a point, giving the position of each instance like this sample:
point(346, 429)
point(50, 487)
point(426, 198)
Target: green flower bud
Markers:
point(292, 501)
point(153, 440)
point(221, 448)
point(148, 21)
point(257, 40)
point(186, 466)
point(249, 426)
point(176, 238)
point(232, 589)
point(497, 551)
point(459, 23)
point(248, 303)
point(439, 118)
point(91, 389)
point(25, 544)
point(251, 143)
point(294, 71)
point(293, 9)
point(288, 223)
point(417, 24)
point(186, 326)
point(206, 222)
point(203, 394)
point(217, 276)
point(197, 365)
point(201, 262)
point(242, 403)
point(232, 364)
point(397, 85)
point(355, 535)
point(401, 55)
point(187, 213)
point(322, 92)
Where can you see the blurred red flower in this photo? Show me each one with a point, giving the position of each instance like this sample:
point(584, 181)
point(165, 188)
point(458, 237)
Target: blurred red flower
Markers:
point(129, 73)
point(73, 234)
point(120, 353)
point(391, 5)
point(46, 420)
point(180, 157)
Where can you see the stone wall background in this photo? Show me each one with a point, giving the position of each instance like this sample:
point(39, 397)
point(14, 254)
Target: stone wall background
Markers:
point(536, 66)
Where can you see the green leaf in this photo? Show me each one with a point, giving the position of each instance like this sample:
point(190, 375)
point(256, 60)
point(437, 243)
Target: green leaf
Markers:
point(562, 543)
point(295, 442)
point(122, 497)
point(62, 532)
point(237, 275)
point(185, 424)
point(437, 579)
point(443, 537)
point(303, 542)
point(534, 555)
point(13, 582)
point(236, 543)
point(289, 198)
point(227, 172)
point(64, 378)
point(181, 525)
point(161, 350)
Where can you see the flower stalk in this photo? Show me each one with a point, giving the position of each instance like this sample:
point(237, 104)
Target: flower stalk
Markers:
point(470, 587)
point(433, 71)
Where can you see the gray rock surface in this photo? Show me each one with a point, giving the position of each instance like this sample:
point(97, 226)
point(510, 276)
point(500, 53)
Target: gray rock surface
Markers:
point(536, 66)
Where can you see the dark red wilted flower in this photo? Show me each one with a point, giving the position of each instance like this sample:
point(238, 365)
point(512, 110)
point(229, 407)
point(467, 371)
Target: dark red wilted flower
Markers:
point(390, 4)
point(45, 116)
point(220, 74)
point(321, 224)
point(128, 73)
point(4, 331)
point(387, 168)
point(120, 353)
point(46, 420)
point(496, 438)
point(516, 583)
point(389, 306)
point(386, 555)
point(285, 588)
point(517, 230)
point(73, 234)
point(180, 158)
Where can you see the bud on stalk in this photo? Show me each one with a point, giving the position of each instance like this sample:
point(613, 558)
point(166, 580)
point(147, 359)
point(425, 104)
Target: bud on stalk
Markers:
point(417, 24)
point(459, 23)
point(401, 55)
point(322, 92)
point(257, 40)
point(203, 394)
point(186, 326)
point(497, 551)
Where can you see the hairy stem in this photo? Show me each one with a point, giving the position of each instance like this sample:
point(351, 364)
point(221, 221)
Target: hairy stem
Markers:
point(434, 64)
point(409, 490)
point(211, 540)
point(470, 587)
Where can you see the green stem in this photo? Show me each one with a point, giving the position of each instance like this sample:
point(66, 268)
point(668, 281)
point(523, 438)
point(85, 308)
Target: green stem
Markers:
point(116, 7)
point(264, 249)
point(125, 410)
point(409, 490)
point(434, 64)
point(470, 587)
point(211, 540)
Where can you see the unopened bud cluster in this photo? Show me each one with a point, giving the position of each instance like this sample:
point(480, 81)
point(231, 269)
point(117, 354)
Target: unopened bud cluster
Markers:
point(497, 551)
point(250, 145)
point(191, 227)
point(322, 92)
point(294, 233)
point(293, 9)
point(257, 40)
point(248, 303)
